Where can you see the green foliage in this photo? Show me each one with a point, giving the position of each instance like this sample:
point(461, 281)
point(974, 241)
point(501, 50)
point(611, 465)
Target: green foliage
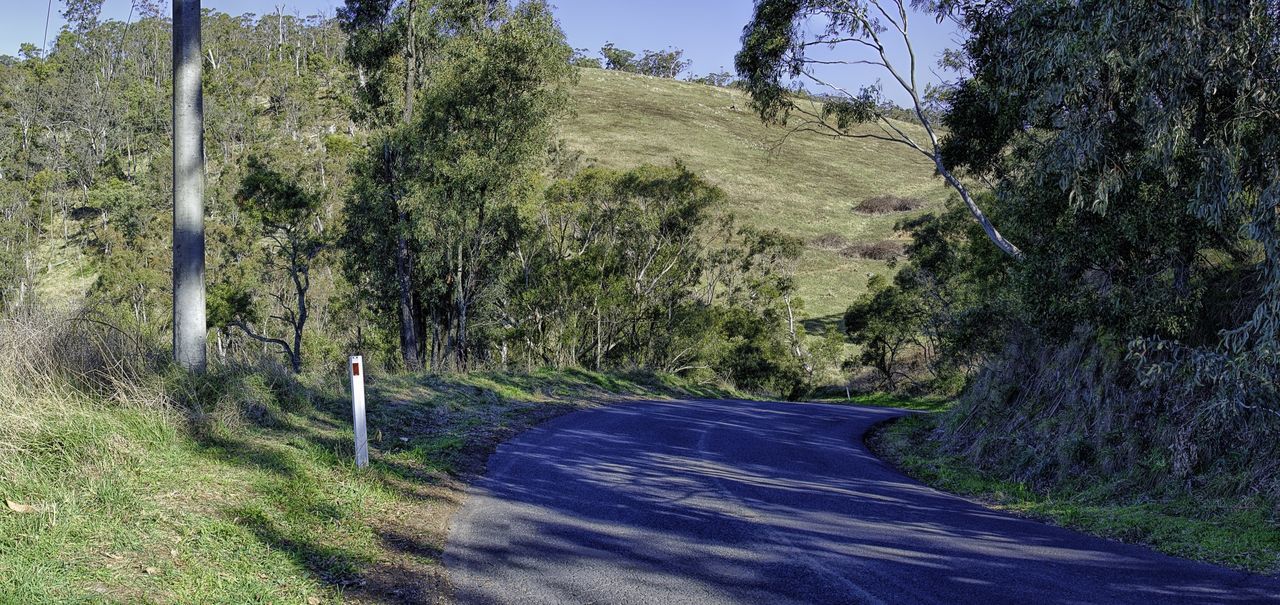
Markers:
point(720, 78)
point(581, 59)
point(286, 219)
point(84, 158)
point(630, 269)
point(767, 58)
point(617, 58)
point(887, 323)
point(1135, 152)
point(457, 172)
point(669, 63)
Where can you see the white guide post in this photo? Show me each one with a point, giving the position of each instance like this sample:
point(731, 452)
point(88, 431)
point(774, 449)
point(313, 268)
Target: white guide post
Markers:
point(357, 411)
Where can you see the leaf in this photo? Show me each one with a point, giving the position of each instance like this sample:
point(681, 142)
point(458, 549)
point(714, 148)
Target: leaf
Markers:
point(19, 508)
point(313, 601)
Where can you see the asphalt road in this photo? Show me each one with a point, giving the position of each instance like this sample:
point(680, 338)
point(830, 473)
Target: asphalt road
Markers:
point(746, 502)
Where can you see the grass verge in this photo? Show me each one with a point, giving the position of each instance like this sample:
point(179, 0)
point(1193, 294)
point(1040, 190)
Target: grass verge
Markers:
point(888, 400)
point(238, 487)
point(1240, 534)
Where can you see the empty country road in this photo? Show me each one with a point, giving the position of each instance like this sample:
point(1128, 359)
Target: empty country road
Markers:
point(754, 502)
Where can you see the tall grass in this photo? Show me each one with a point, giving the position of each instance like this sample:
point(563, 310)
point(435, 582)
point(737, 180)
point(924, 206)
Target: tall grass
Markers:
point(57, 373)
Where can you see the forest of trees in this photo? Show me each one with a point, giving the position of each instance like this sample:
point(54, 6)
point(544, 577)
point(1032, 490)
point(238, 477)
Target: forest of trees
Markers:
point(387, 181)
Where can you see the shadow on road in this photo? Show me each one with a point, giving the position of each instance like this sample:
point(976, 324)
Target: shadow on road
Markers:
point(744, 502)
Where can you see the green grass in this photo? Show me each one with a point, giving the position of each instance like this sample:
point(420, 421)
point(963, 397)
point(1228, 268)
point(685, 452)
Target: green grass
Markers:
point(807, 187)
point(239, 487)
point(1243, 534)
point(888, 400)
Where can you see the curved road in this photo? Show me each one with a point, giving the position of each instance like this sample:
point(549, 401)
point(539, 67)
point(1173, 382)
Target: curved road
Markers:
point(712, 502)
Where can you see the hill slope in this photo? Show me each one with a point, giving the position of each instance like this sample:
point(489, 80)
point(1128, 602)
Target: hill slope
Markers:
point(807, 187)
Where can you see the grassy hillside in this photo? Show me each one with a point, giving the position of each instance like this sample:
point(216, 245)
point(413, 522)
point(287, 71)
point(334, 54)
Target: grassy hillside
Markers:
point(807, 187)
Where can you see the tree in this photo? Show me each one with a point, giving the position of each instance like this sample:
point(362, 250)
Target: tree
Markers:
point(667, 63)
point(381, 31)
point(610, 266)
point(480, 141)
point(886, 322)
point(618, 59)
point(1094, 176)
point(1138, 150)
point(776, 46)
point(720, 78)
point(457, 171)
point(285, 215)
point(582, 59)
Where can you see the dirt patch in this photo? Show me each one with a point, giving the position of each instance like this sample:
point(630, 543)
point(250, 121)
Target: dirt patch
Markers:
point(884, 204)
point(884, 250)
point(829, 241)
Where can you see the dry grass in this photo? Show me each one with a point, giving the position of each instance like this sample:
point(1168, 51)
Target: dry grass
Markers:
point(830, 241)
point(884, 250)
point(885, 204)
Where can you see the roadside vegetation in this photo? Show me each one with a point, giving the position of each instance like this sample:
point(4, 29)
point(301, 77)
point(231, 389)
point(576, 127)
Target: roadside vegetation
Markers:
point(126, 480)
point(1240, 533)
point(1104, 309)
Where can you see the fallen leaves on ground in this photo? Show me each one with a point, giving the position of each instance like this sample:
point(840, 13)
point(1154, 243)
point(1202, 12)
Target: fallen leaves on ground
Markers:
point(19, 508)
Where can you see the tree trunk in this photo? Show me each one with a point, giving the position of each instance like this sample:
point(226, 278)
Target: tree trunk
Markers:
point(992, 234)
point(460, 348)
point(295, 356)
point(408, 323)
point(404, 260)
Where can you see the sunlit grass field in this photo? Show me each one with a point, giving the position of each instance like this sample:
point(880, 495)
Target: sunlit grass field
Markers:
point(806, 185)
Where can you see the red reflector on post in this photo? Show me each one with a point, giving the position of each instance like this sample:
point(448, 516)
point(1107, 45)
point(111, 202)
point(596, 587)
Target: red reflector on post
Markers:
point(355, 369)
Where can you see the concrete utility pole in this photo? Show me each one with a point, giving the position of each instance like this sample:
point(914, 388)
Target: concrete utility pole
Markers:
point(188, 189)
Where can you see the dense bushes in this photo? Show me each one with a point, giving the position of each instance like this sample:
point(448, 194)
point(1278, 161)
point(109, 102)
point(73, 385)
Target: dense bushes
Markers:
point(1136, 338)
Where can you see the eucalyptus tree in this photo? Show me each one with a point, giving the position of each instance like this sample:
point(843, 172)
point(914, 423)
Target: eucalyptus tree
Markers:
point(1142, 146)
point(778, 47)
point(479, 144)
point(285, 216)
point(391, 44)
point(466, 94)
point(1139, 149)
point(618, 59)
point(383, 44)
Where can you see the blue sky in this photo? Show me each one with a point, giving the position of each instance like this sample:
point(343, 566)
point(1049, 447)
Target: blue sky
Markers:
point(707, 30)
